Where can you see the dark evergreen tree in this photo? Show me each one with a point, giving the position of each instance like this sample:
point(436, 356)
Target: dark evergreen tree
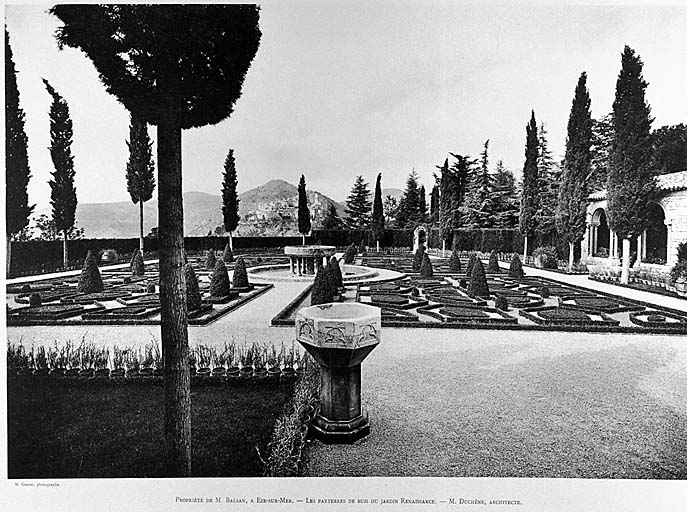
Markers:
point(62, 191)
point(230, 198)
point(228, 254)
point(434, 204)
point(240, 274)
point(336, 269)
point(454, 264)
point(549, 174)
point(220, 285)
point(193, 297)
point(461, 171)
point(506, 208)
point(350, 254)
point(449, 203)
point(478, 286)
point(321, 292)
point(303, 210)
point(631, 186)
point(602, 140)
point(493, 266)
point(571, 210)
point(515, 269)
point(90, 280)
point(529, 202)
point(358, 205)
point(417, 259)
point(408, 215)
point(422, 204)
point(377, 225)
point(137, 266)
point(17, 172)
point(669, 148)
point(332, 219)
point(140, 170)
point(471, 264)
point(331, 280)
point(210, 261)
point(426, 269)
point(479, 201)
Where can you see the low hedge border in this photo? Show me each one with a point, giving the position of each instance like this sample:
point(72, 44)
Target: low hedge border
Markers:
point(681, 325)
point(283, 317)
point(529, 314)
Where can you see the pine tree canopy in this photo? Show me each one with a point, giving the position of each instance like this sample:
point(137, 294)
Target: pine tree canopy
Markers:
point(549, 177)
point(506, 208)
point(378, 211)
point(62, 191)
point(631, 186)
point(669, 149)
point(230, 198)
point(602, 140)
point(17, 172)
point(478, 210)
point(303, 210)
point(409, 214)
point(332, 219)
point(571, 209)
point(529, 202)
point(358, 205)
point(140, 169)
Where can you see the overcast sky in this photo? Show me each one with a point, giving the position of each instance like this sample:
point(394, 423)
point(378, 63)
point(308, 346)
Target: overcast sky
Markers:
point(339, 89)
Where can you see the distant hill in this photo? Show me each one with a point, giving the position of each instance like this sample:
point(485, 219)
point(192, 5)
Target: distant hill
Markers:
point(203, 212)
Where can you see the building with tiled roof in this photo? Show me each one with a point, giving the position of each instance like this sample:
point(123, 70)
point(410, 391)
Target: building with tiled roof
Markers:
point(658, 244)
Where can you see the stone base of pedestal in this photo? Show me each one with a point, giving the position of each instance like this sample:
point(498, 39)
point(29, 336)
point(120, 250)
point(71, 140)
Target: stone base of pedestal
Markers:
point(340, 432)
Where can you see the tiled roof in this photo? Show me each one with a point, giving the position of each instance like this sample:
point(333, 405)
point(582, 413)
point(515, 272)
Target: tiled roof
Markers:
point(666, 183)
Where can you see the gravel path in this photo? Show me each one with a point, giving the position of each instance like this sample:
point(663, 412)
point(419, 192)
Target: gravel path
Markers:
point(514, 404)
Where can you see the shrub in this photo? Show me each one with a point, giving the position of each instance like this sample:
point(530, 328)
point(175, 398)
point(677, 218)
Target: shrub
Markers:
point(426, 269)
point(478, 286)
point(240, 274)
point(90, 280)
point(501, 303)
point(678, 271)
point(454, 264)
point(463, 283)
point(515, 270)
point(151, 287)
point(228, 255)
point(211, 262)
point(336, 269)
point(137, 266)
point(682, 251)
point(493, 266)
point(331, 279)
point(193, 298)
point(35, 300)
point(417, 260)
point(26, 288)
point(321, 291)
point(349, 255)
point(544, 292)
point(471, 264)
point(127, 280)
point(361, 246)
point(220, 285)
point(547, 255)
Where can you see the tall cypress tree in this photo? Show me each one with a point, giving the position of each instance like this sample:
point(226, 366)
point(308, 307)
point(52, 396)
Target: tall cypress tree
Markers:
point(62, 191)
point(358, 205)
point(140, 170)
point(303, 210)
point(571, 209)
point(631, 186)
point(422, 204)
point(378, 212)
point(529, 201)
point(17, 172)
point(230, 198)
point(434, 204)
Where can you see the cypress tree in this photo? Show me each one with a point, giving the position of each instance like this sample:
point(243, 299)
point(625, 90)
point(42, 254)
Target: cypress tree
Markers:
point(426, 269)
point(230, 198)
point(571, 210)
point(378, 212)
point(228, 254)
point(90, 280)
point(17, 172)
point(62, 191)
point(434, 203)
point(515, 269)
point(193, 297)
point(454, 264)
point(140, 170)
point(449, 202)
point(220, 285)
point(478, 286)
point(137, 266)
point(493, 266)
point(471, 264)
point(211, 261)
point(240, 274)
point(358, 205)
point(321, 292)
point(529, 202)
point(303, 211)
point(631, 186)
point(462, 169)
point(422, 204)
point(336, 269)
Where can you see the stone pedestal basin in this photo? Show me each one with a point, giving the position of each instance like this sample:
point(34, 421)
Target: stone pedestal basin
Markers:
point(339, 336)
point(307, 259)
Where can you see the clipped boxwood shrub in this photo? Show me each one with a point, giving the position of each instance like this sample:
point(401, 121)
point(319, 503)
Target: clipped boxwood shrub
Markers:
point(493, 266)
point(35, 300)
point(426, 269)
point(220, 285)
point(417, 259)
point(515, 270)
point(501, 303)
point(228, 254)
point(471, 264)
point(210, 262)
point(454, 264)
point(349, 255)
point(321, 290)
point(137, 266)
point(240, 274)
point(193, 298)
point(90, 280)
point(478, 286)
point(336, 269)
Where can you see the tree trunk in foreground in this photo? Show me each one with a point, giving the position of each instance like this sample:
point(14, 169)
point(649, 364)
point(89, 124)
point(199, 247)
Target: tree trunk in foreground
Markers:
point(140, 240)
point(231, 241)
point(174, 326)
point(64, 249)
point(571, 256)
point(524, 256)
point(443, 248)
point(625, 274)
point(303, 239)
point(9, 256)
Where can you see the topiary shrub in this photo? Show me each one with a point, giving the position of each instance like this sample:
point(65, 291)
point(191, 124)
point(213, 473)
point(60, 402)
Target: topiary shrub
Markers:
point(228, 254)
point(151, 287)
point(90, 280)
point(137, 266)
point(478, 286)
point(211, 261)
point(426, 269)
point(454, 264)
point(493, 266)
point(127, 280)
point(336, 269)
point(501, 303)
point(515, 270)
point(463, 283)
point(546, 257)
point(415, 292)
point(361, 246)
point(471, 264)
point(193, 298)
point(544, 292)
point(26, 288)
point(419, 256)
point(350, 254)
point(331, 279)
point(220, 285)
point(321, 292)
point(35, 300)
point(240, 274)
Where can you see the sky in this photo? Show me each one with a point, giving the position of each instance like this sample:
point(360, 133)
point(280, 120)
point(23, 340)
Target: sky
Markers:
point(340, 89)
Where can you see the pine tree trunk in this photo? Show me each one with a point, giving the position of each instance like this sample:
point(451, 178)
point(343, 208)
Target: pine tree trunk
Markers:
point(9, 256)
point(64, 249)
point(174, 327)
point(377, 245)
point(231, 241)
point(303, 239)
point(625, 274)
point(571, 256)
point(443, 248)
point(140, 233)
point(524, 256)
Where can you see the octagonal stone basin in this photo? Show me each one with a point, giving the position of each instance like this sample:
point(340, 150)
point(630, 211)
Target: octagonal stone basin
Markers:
point(309, 250)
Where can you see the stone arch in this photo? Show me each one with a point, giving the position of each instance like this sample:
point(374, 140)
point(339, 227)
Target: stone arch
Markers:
point(601, 240)
point(419, 237)
point(656, 235)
